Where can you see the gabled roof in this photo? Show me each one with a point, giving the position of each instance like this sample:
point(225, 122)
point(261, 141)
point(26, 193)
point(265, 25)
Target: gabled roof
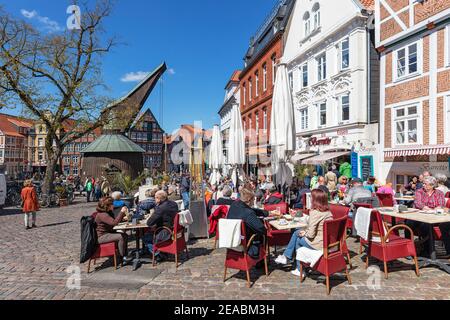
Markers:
point(111, 143)
point(10, 125)
point(234, 78)
point(141, 115)
point(187, 132)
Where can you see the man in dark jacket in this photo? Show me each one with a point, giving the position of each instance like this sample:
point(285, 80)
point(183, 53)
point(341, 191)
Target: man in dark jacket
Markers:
point(241, 210)
point(163, 216)
point(275, 197)
point(225, 200)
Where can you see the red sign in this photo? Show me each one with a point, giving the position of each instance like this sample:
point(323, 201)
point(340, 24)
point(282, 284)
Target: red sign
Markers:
point(319, 142)
point(342, 132)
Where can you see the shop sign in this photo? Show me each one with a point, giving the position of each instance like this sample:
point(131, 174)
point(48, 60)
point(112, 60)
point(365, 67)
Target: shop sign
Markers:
point(354, 163)
point(342, 132)
point(319, 142)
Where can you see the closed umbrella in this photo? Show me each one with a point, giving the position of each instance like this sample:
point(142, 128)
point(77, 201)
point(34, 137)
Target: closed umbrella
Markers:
point(236, 145)
point(216, 158)
point(282, 128)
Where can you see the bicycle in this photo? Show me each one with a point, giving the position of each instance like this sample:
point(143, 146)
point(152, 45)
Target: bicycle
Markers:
point(46, 201)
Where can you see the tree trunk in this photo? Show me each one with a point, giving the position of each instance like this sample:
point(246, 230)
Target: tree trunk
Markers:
point(50, 172)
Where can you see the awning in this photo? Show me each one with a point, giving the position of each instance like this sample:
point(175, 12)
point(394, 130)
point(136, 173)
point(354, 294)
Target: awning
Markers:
point(301, 156)
point(418, 151)
point(320, 159)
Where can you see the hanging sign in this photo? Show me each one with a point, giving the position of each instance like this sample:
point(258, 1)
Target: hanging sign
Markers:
point(319, 142)
point(354, 163)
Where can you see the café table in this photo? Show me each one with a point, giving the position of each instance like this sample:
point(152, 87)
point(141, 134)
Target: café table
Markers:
point(431, 219)
point(289, 226)
point(139, 228)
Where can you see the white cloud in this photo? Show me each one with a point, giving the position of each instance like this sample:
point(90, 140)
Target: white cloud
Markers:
point(134, 76)
point(48, 24)
point(171, 71)
point(28, 14)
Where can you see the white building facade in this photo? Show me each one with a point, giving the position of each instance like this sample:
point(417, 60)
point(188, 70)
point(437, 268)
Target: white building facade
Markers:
point(334, 75)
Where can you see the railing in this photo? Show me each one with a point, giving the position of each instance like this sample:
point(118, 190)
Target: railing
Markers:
point(267, 20)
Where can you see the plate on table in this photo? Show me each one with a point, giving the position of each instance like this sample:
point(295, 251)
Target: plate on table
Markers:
point(283, 222)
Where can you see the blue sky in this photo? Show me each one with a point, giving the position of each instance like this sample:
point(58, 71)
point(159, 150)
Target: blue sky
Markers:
point(202, 42)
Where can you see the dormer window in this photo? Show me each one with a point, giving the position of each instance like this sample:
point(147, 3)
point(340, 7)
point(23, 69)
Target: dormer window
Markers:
point(316, 15)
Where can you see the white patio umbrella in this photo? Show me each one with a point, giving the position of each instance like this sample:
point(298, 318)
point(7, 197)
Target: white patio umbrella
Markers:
point(216, 158)
point(236, 145)
point(282, 128)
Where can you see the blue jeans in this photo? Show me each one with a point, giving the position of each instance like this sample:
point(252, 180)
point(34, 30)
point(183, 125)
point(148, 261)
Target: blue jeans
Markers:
point(186, 200)
point(295, 243)
point(162, 236)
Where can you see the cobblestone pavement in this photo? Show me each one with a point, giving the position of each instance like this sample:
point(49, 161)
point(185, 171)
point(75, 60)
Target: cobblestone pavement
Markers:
point(33, 265)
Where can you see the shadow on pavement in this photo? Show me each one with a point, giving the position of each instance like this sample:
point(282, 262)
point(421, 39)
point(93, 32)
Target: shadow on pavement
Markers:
point(10, 211)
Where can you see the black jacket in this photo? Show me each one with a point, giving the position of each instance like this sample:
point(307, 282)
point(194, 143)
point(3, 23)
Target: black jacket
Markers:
point(253, 225)
point(224, 202)
point(164, 215)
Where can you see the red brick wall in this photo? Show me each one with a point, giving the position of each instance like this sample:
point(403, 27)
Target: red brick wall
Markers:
point(383, 12)
point(389, 28)
point(426, 54)
point(388, 128)
point(443, 81)
point(441, 48)
point(440, 120)
point(426, 122)
point(389, 67)
point(397, 5)
point(407, 91)
point(429, 8)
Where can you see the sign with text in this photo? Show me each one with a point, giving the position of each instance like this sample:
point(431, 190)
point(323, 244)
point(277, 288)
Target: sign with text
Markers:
point(366, 167)
point(354, 163)
point(319, 142)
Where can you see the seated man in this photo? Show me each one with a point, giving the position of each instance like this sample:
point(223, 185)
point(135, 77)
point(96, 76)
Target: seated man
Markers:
point(118, 203)
point(148, 204)
point(172, 193)
point(274, 196)
point(242, 210)
point(163, 216)
point(359, 194)
point(226, 198)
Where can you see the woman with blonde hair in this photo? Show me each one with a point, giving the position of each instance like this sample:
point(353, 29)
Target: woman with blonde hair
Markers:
point(30, 204)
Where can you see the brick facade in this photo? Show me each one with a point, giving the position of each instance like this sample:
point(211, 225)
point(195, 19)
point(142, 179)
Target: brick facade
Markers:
point(426, 54)
point(443, 81)
point(389, 67)
point(408, 90)
point(429, 8)
point(426, 122)
point(440, 120)
point(387, 128)
point(441, 48)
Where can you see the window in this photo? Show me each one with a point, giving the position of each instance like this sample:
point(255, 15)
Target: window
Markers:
point(406, 60)
point(256, 83)
point(321, 67)
point(250, 89)
point(245, 93)
point(40, 156)
point(322, 114)
point(66, 160)
point(75, 170)
point(304, 74)
point(291, 80)
point(345, 54)
point(75, 160)
point(316, 16)
point(345, 108)
point(274, 68)
point(40, 142)
point(307, 24)
point(304, 118)
point(257, 123)
point(406, 124)
point(265, 76)
point(265, 119)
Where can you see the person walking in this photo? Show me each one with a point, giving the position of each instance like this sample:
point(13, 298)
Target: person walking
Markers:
point(30, 204)
point(88, 187)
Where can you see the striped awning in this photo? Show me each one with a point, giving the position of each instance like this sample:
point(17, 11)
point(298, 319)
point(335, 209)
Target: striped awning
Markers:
point(418, 151)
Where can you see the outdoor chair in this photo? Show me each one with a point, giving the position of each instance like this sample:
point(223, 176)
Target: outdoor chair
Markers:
point(217, 213)
point(338, 212)
point(104, 250)
point(333, 260)
point(240, 260)
point(175, 245)
point(386, 200)
point(390, 246)
point(276, 238)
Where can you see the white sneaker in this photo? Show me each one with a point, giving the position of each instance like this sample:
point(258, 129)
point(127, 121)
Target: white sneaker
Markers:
point(281, 259)
point(296, 273)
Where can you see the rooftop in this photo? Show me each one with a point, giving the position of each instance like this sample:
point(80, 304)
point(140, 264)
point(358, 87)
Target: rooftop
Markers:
point(109, 143)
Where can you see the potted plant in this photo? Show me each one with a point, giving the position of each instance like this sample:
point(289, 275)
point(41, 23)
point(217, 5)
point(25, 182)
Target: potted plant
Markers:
point(128, 185)
point(62, 195)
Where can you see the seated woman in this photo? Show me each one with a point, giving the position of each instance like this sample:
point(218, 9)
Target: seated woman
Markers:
point(342, 186)
point(427, 198)
point(106, 223)
point(312, 237)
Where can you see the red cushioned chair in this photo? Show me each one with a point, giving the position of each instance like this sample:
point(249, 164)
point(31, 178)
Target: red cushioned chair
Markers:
point(175, 245)
point(391, 247)
point(333, 260)
point(437, 230)
point(339, 212)
point(282, 206)
point(358, 205)
point(276, 238)
point(386, 200)
point(104, 250)
point(305, 209)
point(241, 260)
point(218, 212)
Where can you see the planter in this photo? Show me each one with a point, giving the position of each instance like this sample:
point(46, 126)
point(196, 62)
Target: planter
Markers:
point(63, 203)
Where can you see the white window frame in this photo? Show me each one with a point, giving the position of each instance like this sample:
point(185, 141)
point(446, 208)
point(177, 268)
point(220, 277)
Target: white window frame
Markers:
point(257, 123)
point(419, 61)
point(319, 105)
point(304, 118)
point(302, 74)
point(245, 93)
point(250, 89)
point(265, 76)
point(265, 120)
point(307, 24)
point(291, 80)
point(406, 118)
point(447, 119)
point(341, 109)
point(274, 68)
point(341, 54)
point(321, 67)
point(256, 83)
point(316, 16)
